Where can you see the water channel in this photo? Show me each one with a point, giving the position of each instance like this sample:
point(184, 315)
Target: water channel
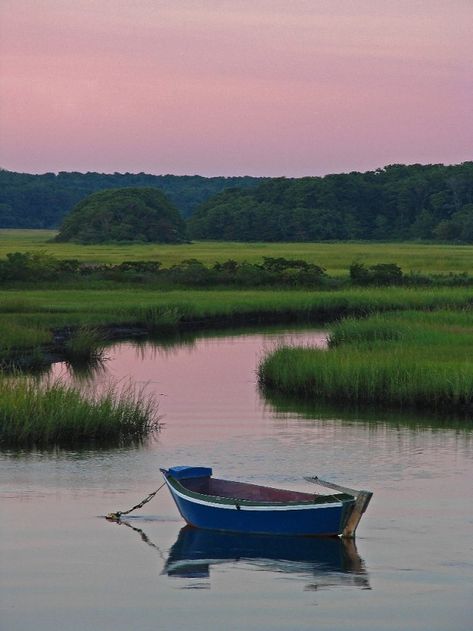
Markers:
point(63, 566)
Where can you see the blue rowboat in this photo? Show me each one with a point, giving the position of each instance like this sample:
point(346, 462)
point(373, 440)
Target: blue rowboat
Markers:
point(215, 504)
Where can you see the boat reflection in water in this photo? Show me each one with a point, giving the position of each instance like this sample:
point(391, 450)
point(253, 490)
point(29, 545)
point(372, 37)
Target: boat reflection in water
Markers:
point(325, 562)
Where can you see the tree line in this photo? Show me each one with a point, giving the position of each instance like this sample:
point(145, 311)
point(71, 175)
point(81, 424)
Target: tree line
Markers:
point(398, 202)
point(42, 201)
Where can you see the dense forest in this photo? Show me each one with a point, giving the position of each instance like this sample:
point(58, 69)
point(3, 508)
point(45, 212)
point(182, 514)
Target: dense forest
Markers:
point(42, 201)
point(398, 202)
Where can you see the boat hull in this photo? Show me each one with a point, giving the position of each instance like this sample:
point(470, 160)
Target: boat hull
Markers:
point(304, 519)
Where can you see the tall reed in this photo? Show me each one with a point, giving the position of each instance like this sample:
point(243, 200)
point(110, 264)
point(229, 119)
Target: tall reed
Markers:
point(400, 360)
point(86, 344)
point(55, 413)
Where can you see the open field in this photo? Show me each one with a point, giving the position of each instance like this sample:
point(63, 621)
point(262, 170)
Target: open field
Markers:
point(334, 257)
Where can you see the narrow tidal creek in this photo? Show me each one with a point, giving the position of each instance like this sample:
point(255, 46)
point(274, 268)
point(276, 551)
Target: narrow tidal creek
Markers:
point(63, 566)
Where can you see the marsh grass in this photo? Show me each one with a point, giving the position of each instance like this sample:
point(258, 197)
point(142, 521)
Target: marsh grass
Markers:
point(17, 334)
point(86, 344)
point(418, 360)
point(161, 318)
point(54, 413)
point(163, 312)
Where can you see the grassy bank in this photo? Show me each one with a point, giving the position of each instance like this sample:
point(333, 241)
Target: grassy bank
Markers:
point(60, 414)
point(407, 359)
point(29, 318)
point(395, 348)
point(334, 257)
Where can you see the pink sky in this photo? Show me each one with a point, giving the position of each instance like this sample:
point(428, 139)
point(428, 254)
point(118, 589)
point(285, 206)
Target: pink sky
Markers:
point(233, 87)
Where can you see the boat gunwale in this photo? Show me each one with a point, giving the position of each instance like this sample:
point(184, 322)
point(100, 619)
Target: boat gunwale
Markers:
point(317, 500)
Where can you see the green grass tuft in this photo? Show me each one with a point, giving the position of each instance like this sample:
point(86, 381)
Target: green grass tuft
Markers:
point(59, 414)
point(86, 344)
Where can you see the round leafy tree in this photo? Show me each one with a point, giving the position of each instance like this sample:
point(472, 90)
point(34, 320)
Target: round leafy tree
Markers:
point(123, 214)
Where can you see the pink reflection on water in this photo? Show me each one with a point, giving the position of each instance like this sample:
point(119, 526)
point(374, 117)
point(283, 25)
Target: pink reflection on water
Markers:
point(206, 390)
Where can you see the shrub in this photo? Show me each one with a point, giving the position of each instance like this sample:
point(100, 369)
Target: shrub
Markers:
point(381, 274)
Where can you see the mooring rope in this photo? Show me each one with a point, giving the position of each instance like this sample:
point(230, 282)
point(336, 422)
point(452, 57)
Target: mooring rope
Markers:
point(117, 515)
point(144, 537)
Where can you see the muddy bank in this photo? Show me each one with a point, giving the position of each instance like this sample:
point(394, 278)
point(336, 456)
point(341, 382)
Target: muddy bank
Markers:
point(41, 357)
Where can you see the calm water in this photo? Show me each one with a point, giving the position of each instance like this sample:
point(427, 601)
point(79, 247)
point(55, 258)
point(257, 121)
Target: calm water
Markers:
point(62, 566)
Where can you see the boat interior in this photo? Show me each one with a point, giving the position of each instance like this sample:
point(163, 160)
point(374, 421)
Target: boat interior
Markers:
point(244, 491)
